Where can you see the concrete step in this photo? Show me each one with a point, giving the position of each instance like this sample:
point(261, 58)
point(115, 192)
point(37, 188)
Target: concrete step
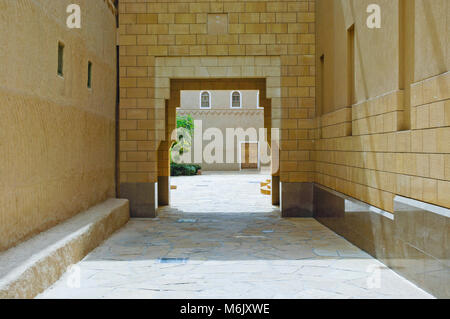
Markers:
point(34, 265)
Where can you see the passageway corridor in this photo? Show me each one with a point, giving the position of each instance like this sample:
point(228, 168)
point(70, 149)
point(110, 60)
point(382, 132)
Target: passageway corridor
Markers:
point(222, 239)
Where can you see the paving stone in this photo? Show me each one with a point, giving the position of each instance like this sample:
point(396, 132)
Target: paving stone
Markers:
point(229, 255)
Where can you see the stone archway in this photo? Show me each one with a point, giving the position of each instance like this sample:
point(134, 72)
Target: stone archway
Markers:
point(149, 184)
point(176, 86)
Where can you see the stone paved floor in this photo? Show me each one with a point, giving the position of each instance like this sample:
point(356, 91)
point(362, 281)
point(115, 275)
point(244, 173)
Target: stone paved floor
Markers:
point(236, 246)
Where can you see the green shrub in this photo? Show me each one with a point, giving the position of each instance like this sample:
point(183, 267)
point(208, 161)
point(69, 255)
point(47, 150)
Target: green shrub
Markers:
point(184, 169)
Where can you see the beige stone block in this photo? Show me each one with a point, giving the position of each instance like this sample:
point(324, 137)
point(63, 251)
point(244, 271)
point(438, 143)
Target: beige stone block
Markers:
point(145, 82)
point(416, 141)
point(298, 7)
point(256, 49)
point(430, 141)
point(236, 50)
point(147, 40)
point(430, 91)
point(443, 86)
point(417, 187)
point(248, 18)
point(136, 135)
point(234, 6)
point(417, 94)
point(207, 39)
point(236, 28)
point(217, 50)
point(185, 18)
point(166, 39)
point(197, 50)
point(249, 39)
point(297, 28)
point(136, 50)
point(146, 145)
point(277, 28)
point(422, 162)
point(443, 139)
point(404, 185)
point(423, 116)
point(216, 7)
point(305, 17)
point(447, 113)
point(198, 7)
point(437, 114)
point(179, 8)
point(166, 18)
point(157, 7)
point(147, 18)
point(257, 28)
point(136, 156)
point(277, 49)
point(286, 17)
point(157, 50)
point(128, 82)
point(447, 166)
point(178, 28)
point(277, 6)
point(128, 61)
point(227, 39)
point(127, 40)
point(137, 114)
point(157, 29)
point(443, 198)
point(267, 17)
point(128, 124)
point(127, 18)
point(135, 7)
point(136, 72)
point(137, 92)
point(185, 39)
point(429, 190)
point(197, 29)
point(437, 166)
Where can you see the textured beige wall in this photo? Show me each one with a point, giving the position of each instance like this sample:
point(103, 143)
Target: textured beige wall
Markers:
point(223, 119)
point(396, 138)
point(57, 137)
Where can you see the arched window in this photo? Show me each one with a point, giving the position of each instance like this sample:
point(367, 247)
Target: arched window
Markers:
point(236, 101)
point(205, 100)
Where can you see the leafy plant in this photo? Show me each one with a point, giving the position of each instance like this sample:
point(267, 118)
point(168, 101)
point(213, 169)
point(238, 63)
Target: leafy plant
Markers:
point(184, 169)
point(185, 125)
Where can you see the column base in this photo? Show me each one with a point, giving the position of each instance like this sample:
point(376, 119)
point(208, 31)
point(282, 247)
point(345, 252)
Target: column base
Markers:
point(275, 190)
point(296, 199)
point(163, 190)
point(143, 198)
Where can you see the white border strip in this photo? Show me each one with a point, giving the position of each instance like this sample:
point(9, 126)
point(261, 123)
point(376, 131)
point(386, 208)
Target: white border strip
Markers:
point(422, 205)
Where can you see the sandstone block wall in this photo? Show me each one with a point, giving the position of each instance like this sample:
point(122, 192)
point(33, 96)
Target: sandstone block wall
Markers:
point(215, 39)
point(393, 138)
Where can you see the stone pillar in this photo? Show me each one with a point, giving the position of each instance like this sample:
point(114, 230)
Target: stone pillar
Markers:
point(163, 153)
point(275, 190)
